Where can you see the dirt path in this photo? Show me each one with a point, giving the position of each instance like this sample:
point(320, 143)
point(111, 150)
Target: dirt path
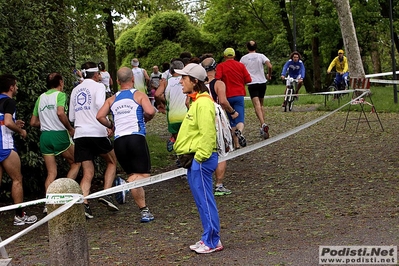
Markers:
point(323, 186)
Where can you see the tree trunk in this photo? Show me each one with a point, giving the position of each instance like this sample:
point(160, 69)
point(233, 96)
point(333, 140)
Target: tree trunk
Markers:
point(385, 10)
point(286, 23)
point(375, 58)
point(315, 50)
point(58, 37)
point(109, 26)
point(349, 36)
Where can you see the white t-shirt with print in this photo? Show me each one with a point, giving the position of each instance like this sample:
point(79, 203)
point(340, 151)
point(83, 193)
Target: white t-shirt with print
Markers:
point(254, 62)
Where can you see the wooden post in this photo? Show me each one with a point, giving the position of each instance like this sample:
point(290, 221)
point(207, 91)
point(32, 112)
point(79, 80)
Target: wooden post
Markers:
point(67, 231)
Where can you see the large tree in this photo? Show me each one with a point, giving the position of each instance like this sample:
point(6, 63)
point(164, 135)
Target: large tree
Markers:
point(350, 39)
point(158, 39)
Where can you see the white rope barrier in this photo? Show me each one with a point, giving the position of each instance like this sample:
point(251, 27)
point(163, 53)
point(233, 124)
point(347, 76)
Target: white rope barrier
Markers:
point(23, 204)
point(69, 199)
point(380, 74)
point(308, 94)
point(39, 223)
point(384, 81)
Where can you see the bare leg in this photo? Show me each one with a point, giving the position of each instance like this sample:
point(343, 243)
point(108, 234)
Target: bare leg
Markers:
point(110, 172)
point(235, 139)
point(12, 165)
point(74, 167)
point(299, 87)
point(51, 167)
point(240, 126)
point(259, 110)
point(88, 174)
point(220, 172)
point(138, 193)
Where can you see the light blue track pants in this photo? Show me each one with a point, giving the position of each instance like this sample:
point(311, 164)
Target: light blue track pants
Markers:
point(199, 177)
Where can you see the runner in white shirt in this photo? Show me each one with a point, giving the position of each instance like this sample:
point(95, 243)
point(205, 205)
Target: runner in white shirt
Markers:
point(170, 95)
point(105, 79)
point(91, 137)
point(141, 77)
point(254, 62)
point(56, 131)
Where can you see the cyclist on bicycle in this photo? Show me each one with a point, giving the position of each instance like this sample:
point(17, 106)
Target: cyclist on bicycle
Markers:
point(296, 69)
point(341, 66)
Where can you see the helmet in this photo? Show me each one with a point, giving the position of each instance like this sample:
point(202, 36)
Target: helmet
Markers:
point(340, 51)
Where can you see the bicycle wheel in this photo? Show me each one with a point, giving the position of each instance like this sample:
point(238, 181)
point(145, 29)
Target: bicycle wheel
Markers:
point(291, 103)
point(285, 105)
point(332, 88)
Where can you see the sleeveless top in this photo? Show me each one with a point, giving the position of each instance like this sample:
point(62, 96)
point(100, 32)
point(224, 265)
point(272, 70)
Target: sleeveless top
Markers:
point(6, 134)
point(139, 79)
point(175, 101)
point(128, 115)
point(212, 91)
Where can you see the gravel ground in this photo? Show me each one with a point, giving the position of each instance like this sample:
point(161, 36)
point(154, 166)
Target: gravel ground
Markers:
point(322, 186)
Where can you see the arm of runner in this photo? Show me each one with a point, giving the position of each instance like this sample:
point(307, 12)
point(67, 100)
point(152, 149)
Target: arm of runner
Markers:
point(159, 96)
point(34, 121)
point(71, 108)
point(149, 110)
point(102, 114)
point(269, 70)
point(220, 89)
point(147, 78)
point(9, 122)
point(64, 120)
point(160, 92)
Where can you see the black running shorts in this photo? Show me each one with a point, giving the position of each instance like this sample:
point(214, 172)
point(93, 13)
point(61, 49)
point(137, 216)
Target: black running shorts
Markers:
point(87, 148)
point(257, 90)
point(133, 154)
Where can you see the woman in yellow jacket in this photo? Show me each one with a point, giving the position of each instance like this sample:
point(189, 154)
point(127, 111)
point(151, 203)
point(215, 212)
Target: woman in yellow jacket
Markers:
point(196, 148)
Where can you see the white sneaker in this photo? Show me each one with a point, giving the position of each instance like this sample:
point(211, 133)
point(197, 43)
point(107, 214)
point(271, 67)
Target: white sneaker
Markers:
point(196, 245)
point(25, 219)
point(200, 247)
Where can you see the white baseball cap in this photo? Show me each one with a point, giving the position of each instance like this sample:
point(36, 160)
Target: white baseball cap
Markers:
point(193, 70)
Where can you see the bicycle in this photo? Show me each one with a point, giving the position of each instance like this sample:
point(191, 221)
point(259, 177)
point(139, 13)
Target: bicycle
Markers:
point(337, 87)
point(289, 93)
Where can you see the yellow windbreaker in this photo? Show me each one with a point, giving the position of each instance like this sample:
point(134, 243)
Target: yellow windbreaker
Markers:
point(339, 66)
point(197, 133)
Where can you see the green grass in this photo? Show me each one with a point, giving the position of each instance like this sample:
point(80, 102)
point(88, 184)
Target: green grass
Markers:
point(382, 97)
point(160, 157)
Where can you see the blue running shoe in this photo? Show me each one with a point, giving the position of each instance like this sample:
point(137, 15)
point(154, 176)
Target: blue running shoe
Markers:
point(120, 196)
point(146, 216)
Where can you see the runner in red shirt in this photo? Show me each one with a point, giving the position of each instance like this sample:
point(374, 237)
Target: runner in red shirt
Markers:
point(235, 75)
